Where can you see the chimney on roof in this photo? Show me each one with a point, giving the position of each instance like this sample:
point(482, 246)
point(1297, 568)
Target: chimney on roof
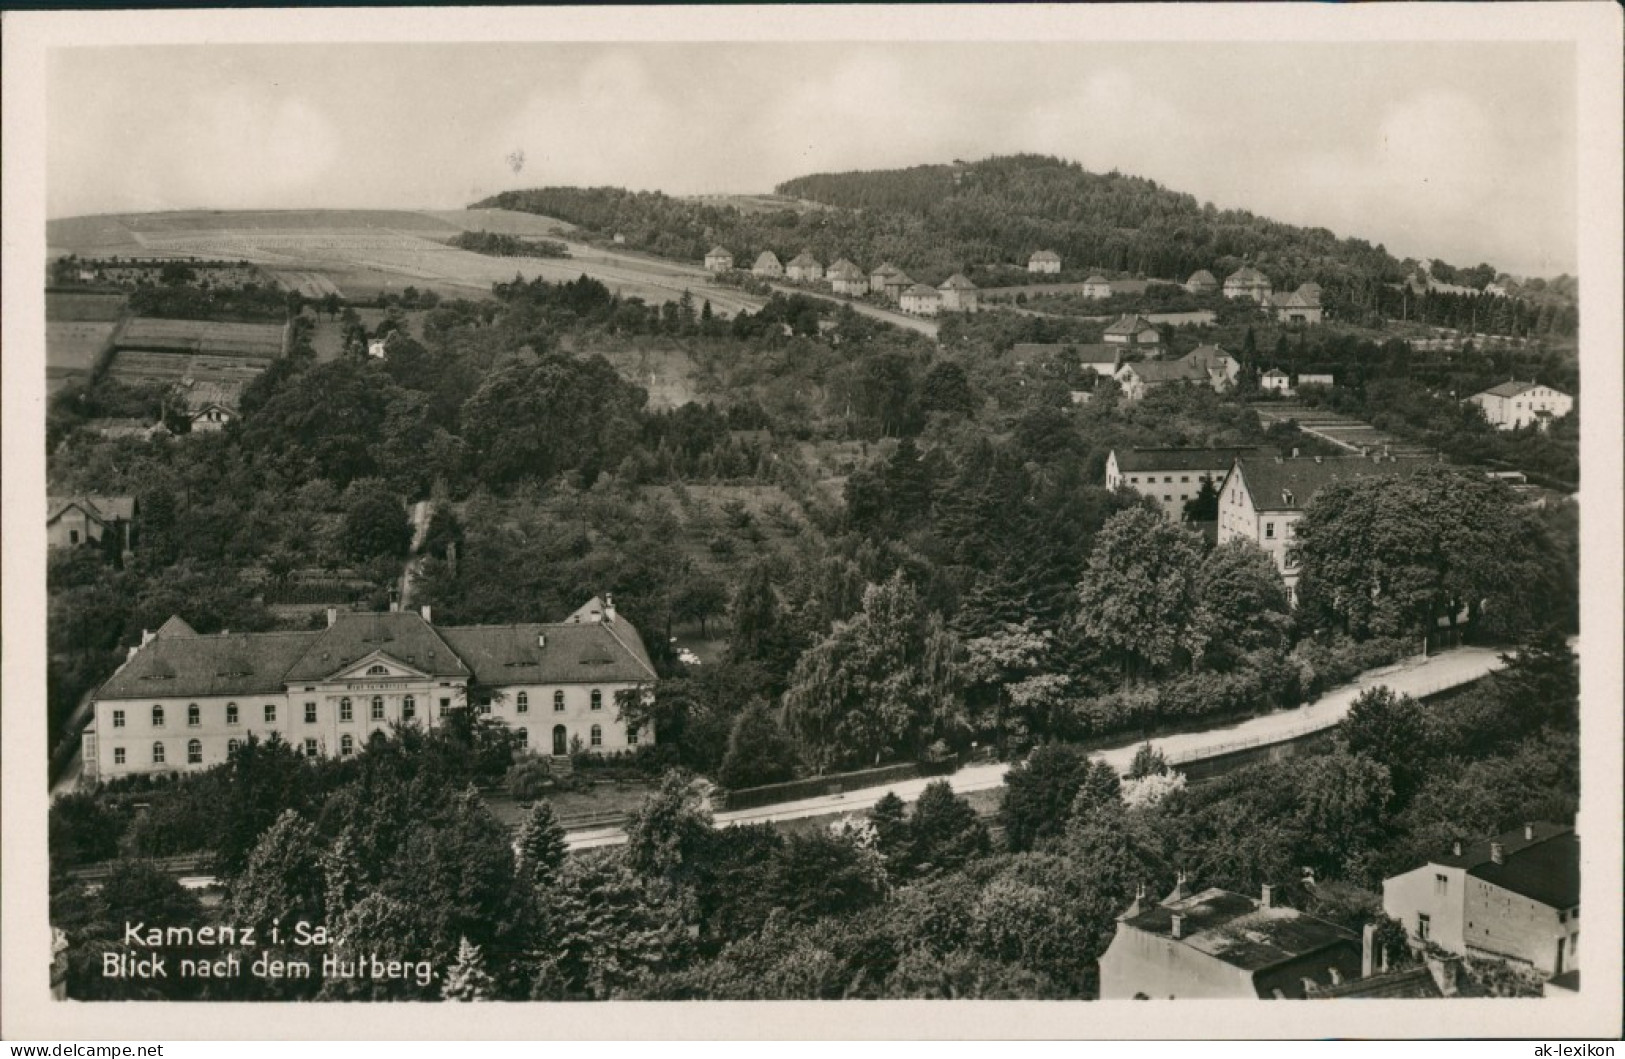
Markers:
point(1528, 832)
point(1455, 848)
point(609, 608)
point(147, 636)
point(427, 612)
point(1498, 853)
point(1176, 925)
point(1368, 945)
point(1266, 897)
point(332, 616)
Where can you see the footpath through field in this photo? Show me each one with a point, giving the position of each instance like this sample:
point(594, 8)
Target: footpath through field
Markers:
point(1415, 676)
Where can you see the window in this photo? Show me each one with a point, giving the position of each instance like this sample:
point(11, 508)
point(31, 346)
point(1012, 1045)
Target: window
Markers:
point(1184, 479)
point(310, 713)
point(232, 745)
point(558, 702)
point(118, 718)
point(1269, 531)
point(445, 704)
point(1441, 884)
point(231, 713)
point(1167, 479)
point(270, 713)
point(631, 735)
point(377, 671)
point(346, 746)
point(157, 753)
point(1424, 923)
point(157, 716)
point(524, 737)
point(597, 735)
point(310, 748)
point(194, 752)
point(345, 712)
point(1134, 479)
point(377, 707)
point(1166, 498)
point(523, 702)
point(597, 699)
point(194, 716)
point(118, 755)
point(409, 708)
point(73, 536)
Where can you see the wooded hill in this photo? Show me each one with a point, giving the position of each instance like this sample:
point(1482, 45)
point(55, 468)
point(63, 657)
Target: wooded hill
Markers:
point(985, 219)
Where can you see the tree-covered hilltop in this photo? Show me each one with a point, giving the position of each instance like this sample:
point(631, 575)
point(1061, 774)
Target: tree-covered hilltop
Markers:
point(986, 219)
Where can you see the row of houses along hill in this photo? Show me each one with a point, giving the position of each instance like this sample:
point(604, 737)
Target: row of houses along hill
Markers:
point(958, 294)
point(955, 294)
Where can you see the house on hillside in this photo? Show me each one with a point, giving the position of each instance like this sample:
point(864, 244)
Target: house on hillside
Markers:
point(1171, 477)
point(1263, 497)
point(878, 278)
point(767, 266)
point(181, 702)
point(718, 259)
point(1140, 377)
point(1275, 381)
point(896, 284)
point(1248, 282)
point(212, 417)
point(1222, 944)
point(1045, 261)
point(804, 267)
point(846, 278)
point(1514, 897)
point(921, 300)
point(1133, 331)
point(1097, 286)
point(1222, 369)
point(958, 294)
point(378, 348)
point(1515, 404)
point(74, 520)
point(1302, 306)
point(1202, 282)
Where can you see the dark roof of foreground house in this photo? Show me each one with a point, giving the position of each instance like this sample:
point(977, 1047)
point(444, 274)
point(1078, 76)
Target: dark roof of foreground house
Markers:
point(1241, 931)
point(1187, 459)
point(592, 645)
point(1541, 861)
point(1289, 483)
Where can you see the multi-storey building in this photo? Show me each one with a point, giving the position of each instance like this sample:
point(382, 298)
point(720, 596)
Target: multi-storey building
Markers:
point(959, 294)
point(718, 259)
point(1171, 477)
point(1516, 404)
point(1047, 261)
point(1248, 282)
point(182, 700)
point(1263, 498)
point(1514, 897)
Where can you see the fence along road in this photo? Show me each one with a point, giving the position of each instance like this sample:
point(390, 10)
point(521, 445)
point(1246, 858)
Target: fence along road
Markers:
point(1414, 676)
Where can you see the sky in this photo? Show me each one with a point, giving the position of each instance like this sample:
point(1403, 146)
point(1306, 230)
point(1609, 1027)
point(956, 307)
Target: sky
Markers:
point(1461, 151)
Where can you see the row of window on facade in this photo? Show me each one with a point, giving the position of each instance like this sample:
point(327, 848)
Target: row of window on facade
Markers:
point(194, 713)
point(194, 747)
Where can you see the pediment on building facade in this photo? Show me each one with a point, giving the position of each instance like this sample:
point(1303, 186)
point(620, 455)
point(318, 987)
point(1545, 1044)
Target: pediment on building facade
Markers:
point(379, 665)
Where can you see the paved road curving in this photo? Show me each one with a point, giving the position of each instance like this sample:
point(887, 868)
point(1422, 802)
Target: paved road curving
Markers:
point(1415, 676)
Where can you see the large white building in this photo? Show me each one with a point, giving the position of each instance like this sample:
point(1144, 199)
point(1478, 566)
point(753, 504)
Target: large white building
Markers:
point(1516, 404)
point(1171, 477)
point(1264, 497)
point(182, 700)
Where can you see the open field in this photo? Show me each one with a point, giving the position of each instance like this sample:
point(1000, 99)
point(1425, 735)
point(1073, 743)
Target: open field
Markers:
point(262, 341)
point(363, 253)
point(73, 346)
point(78, 308)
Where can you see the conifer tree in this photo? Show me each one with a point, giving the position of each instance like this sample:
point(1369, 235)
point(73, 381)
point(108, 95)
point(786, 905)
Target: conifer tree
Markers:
point(541, 845)
point(467, 980)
